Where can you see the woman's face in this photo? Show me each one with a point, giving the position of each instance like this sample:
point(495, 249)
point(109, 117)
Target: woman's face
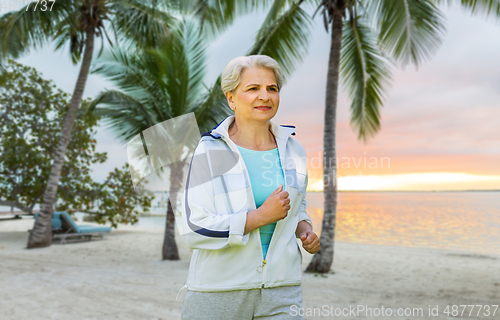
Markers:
point(257, 96)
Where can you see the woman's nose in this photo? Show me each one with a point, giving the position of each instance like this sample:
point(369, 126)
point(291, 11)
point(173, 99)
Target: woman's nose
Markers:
point(264, 95)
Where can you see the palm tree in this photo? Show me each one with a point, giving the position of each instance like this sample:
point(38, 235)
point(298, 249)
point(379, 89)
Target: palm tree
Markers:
point(365, 36)
point(79, 22)
point(157, 85)
point(284, 35)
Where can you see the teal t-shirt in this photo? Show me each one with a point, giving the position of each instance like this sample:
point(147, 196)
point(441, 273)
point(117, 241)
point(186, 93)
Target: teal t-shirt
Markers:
point(266, 174)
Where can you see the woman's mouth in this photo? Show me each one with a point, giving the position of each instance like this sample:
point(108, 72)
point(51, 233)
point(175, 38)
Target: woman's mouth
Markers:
point(263, 108)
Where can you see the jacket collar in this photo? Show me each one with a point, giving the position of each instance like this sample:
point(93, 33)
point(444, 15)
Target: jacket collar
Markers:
point(280, 132)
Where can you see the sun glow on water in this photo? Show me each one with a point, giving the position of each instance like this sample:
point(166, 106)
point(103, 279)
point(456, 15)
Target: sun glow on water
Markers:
point(412, 182)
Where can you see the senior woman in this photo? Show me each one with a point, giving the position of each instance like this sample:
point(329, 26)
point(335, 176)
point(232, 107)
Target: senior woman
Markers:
point(244, 205)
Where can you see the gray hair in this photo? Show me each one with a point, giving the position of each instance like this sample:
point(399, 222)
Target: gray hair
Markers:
point(231, 75)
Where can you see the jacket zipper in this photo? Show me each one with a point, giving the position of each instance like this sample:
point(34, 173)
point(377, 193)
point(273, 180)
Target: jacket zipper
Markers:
point(264, 261)
point(261, 267)
point(279, 221)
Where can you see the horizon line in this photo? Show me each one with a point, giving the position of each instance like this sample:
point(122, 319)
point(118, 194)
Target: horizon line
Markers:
point(471, 190)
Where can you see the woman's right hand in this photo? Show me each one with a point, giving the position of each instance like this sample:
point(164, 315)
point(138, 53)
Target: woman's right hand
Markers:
point(276, 205)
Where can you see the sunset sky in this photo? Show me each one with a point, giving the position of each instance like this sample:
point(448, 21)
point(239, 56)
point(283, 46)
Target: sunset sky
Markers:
point(440, 123)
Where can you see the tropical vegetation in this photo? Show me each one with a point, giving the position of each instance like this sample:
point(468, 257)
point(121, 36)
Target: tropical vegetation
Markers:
point(77, 23)
point(31, 117)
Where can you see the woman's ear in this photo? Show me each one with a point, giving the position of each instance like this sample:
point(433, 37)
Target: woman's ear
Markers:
point(230, 101)
point(229, 97)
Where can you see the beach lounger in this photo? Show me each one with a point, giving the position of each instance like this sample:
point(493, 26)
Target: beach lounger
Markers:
point(56, 222)
point(64, 227)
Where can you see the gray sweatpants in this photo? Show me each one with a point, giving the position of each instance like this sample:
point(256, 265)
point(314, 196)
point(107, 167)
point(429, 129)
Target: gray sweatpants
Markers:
point(269, 303)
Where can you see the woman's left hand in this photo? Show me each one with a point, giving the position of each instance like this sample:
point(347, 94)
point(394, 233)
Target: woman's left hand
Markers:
point(310, 241)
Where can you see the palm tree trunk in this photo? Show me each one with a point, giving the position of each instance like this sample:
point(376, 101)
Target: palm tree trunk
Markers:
point(41, 235)
point(169, 250)
point(323, 259)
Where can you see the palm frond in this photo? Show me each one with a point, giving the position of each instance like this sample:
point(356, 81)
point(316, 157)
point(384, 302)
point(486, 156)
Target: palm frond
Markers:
point(285, 39)
point(171, 74)
point(366, 76)
point(195, 48)
point(68, 31)
point(488, 7)
point(215, 16)
point(135, 73)
point(143, 23)
point(477, 7)
point(27, 28)
point(123, 113)
point(181, 64)
point(274, 11)
point(409, 30)
point(212, 108)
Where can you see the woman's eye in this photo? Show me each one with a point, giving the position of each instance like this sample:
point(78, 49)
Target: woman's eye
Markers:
point(272, 89)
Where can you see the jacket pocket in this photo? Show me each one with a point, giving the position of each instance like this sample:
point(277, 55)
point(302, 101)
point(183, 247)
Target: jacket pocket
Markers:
point(300, 251)
point(286, 262)
point(229, 267)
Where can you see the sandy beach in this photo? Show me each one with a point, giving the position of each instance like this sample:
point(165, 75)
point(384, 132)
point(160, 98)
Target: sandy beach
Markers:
point(123, 277)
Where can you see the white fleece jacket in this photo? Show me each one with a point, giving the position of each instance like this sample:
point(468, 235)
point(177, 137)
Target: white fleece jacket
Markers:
point(218, 196)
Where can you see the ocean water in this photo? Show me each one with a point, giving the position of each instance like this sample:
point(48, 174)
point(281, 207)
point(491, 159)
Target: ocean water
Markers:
point(450, 220)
